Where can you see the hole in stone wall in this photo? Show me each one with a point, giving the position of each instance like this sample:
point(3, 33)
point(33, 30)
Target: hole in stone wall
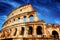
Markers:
point(22, 31)
point(31, 17)
point(18, 19)
point(8, 39)
point(14, 19)
point(39, 30)
point(24, 18)
point(15, 31)
point(30, 30)
point(55, 34)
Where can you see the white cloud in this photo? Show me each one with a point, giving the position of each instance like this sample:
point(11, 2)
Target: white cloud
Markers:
point(14, 4)
point(57, 21)
point(3, 17)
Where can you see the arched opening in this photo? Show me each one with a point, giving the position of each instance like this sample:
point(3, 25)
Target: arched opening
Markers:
point(22, 31)
point(8, 39)
point(15, 31)
point(24, 18)
point(3, 34)
point(31, 17)
point(39, 30)
point(6, 33)
point(13, 19)
point(55, 34)
point(30, 30)
point(25, 38)
point(18, 19)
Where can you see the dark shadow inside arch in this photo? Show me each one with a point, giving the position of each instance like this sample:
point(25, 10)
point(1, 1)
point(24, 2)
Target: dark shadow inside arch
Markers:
point(30, 30)
point(55, 34)
point(22, 31)
point(18, 19)
point(8, 39)
point(25, 38)
point(31, 17)
point(24, 18)
point(15, 31)
point(39, 30)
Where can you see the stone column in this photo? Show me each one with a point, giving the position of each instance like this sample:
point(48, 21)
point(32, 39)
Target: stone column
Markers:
point(12, 20)
point(18, 31)
point(27, 19)
point(34, 31)
point(16, 19)
point(26, 32)
point(6, 34)
point(12, 31)
point(35, 17)
point(59, 33)
point(3, 34)
point(21, 19)
point(44, 30)
point(9, 32)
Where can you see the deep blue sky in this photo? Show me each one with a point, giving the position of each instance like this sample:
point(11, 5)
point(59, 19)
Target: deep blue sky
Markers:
point(48, 10)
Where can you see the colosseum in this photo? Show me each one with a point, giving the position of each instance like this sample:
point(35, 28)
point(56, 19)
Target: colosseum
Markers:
point(19, 26)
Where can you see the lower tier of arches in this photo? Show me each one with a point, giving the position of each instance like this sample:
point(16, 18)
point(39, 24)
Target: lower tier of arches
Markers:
point(31, 38)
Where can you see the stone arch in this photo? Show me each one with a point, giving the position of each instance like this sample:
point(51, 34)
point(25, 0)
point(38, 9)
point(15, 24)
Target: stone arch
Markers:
point(15, 31)
point(31, 17)
point(24, 19)
point(39, 30)
point(12, 31)
point(7, 32)
point(3, 34)
point(22, 31)
point(55, 34)
point(30, 30)
point(18, 19)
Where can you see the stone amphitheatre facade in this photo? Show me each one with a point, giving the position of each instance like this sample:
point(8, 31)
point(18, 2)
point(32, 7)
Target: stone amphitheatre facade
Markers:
point(17, 28)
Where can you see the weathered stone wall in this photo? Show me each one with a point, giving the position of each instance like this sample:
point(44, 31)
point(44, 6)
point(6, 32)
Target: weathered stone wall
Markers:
point(17, 29)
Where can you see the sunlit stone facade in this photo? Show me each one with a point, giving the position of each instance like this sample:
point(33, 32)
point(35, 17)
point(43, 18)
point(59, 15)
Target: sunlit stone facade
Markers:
point(23, 24)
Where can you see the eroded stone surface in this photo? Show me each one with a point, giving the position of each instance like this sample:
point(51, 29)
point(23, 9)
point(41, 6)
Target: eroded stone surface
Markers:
point(16, 29)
